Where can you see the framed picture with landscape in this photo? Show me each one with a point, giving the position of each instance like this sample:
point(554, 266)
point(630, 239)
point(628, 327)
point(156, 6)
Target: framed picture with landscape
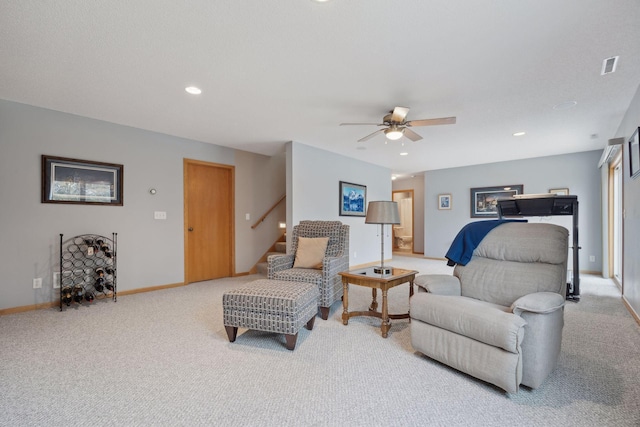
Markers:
point(353, 199)
point(484, 200)
point(81, 182)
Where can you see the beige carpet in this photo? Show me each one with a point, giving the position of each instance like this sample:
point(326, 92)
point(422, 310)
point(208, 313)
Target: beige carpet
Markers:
point(163, 358)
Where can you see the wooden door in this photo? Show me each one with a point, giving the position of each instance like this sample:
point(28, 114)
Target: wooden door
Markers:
point(209, 220)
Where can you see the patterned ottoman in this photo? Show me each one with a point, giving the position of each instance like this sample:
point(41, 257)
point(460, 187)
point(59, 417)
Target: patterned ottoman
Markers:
point(272, 306)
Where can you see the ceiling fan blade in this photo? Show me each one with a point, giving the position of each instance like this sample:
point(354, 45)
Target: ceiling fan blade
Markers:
point(411, 135)
point(370, 135)
point(361, 124)
point(433, 122)
point(399, 114)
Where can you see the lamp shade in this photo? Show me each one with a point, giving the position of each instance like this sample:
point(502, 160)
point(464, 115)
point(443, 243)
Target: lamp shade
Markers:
point(382, 212)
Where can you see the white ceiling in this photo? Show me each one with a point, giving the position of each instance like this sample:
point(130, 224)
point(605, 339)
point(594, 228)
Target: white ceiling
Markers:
point(293, 70)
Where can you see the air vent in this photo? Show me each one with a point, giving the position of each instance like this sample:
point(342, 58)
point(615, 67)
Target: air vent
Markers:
point(610, 150)
point(609, 65)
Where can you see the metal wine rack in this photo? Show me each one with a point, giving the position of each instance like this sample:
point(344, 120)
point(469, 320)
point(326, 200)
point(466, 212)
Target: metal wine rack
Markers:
point(88, 269)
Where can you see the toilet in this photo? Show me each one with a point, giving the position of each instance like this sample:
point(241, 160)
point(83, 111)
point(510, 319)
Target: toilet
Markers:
point(402, 242)
point(405, 241)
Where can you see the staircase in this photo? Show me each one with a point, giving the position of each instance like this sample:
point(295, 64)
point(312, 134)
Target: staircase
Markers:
point(278, 248)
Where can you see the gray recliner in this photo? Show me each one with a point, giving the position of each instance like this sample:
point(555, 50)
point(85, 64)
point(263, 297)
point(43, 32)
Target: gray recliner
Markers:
point(499, 318)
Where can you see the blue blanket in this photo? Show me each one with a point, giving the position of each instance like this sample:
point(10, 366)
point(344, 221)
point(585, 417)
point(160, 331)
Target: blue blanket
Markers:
point(469, 238)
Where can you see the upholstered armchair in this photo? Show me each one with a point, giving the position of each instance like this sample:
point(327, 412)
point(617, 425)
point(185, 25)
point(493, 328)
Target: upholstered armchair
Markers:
point(299, 265)
point(498, 318)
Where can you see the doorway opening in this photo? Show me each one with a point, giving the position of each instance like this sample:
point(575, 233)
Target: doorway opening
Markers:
point(403, 232)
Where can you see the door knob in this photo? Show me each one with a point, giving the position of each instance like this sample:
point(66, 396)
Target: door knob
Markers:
point(190, 228)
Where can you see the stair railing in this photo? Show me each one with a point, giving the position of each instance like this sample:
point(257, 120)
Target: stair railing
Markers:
point(262, 218)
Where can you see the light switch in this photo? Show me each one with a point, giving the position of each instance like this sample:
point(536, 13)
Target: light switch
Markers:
point(159, 215)
point(247, 217)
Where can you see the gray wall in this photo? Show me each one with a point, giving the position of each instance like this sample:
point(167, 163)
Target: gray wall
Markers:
point(631, 207)
point(259, 184)
point(313, 177)
point(150, 252)
point(577, 171)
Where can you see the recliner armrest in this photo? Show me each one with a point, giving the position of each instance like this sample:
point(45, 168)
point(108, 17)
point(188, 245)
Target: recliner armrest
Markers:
point(538, 302)
point(439, 284)
point(481, 321)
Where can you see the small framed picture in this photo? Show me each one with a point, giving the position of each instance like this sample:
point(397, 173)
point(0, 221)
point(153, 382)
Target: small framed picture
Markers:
point(444, 201)
point(559, 191)
point(353, 199)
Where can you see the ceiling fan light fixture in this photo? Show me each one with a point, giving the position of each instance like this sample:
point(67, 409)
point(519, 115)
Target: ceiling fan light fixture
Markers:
point(393, 133)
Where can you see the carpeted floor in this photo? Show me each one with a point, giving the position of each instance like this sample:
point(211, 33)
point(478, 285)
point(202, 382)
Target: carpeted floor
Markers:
point(163, 358)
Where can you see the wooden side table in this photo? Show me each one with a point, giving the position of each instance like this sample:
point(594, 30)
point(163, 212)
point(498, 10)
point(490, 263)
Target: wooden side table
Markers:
point(366, 277)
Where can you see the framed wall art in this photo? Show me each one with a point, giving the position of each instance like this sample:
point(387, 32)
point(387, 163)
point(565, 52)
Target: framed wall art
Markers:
point(634, 154)
point(444, 201)
point(484, 200)
point(81, 182)
point(353, 199)
point(559, 191)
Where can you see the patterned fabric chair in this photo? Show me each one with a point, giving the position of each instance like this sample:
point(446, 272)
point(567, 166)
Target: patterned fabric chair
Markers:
point(336, 259)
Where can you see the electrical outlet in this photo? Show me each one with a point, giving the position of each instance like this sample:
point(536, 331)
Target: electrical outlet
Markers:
point(355, 254)
point(56, 280)
point(592, 258)
point(37, 283)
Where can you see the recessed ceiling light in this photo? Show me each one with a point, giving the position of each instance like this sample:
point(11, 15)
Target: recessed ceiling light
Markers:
point(404, 154)
point(565, 105)
point(519, 134)
point(193, 90)
point(320, 1)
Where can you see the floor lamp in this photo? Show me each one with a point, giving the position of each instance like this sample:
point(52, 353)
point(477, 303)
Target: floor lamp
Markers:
point(382, 212)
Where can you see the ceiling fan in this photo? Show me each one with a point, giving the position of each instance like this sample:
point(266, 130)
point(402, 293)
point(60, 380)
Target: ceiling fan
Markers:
point(396, 126)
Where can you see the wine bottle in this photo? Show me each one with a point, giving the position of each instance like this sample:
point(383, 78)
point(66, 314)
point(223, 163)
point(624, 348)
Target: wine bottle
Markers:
point(89, 296)
point(99, 284)
point(66, 293)
point(78, 293)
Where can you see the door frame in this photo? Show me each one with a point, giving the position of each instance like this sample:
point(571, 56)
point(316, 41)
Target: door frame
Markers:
point(232, 250)
point(615, 163)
